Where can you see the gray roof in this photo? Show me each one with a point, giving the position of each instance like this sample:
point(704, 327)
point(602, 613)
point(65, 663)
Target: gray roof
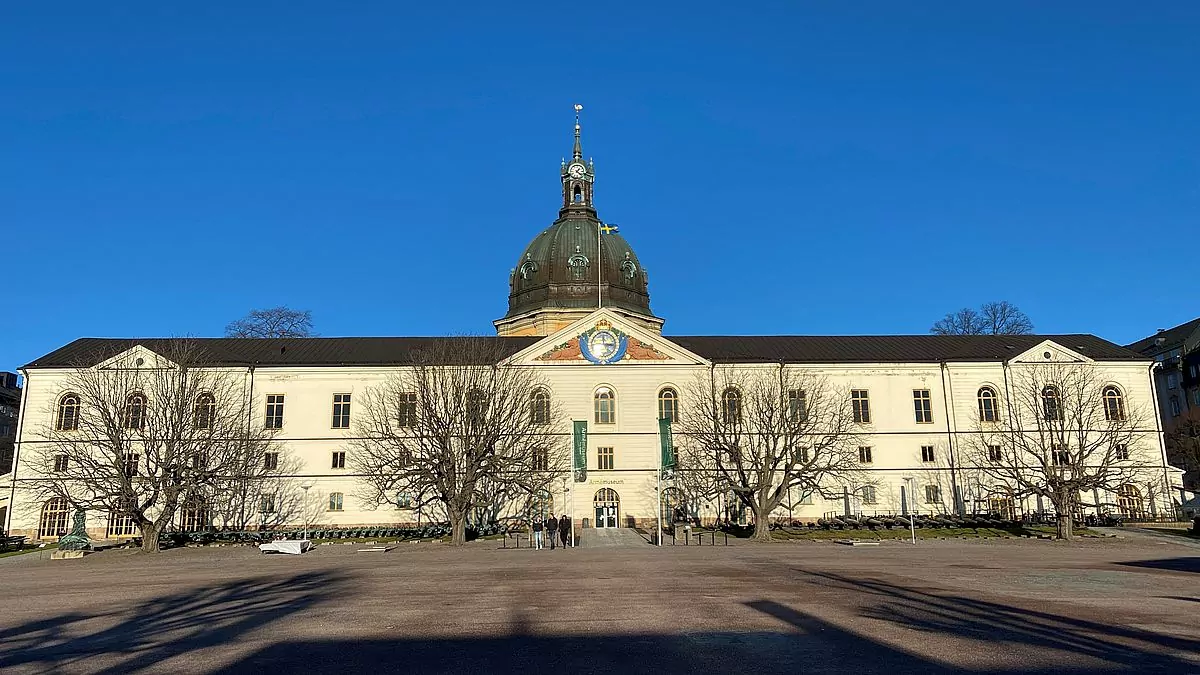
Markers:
point(1172, 338)
point(380, 351)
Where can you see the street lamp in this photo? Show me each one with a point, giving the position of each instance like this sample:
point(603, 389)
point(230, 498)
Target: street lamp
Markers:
point(910, 483)
point(304, 507)
point(568, 511)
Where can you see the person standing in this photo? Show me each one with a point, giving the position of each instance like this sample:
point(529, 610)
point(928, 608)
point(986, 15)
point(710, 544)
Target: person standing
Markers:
point(551, 528)
point(537, 533)
point(564, 529)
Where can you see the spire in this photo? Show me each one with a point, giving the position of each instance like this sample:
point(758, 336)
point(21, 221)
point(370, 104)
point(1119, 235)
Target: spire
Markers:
point(577, 153)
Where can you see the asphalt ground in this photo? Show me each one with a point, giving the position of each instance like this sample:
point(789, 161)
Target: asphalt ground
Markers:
point(1016, 606)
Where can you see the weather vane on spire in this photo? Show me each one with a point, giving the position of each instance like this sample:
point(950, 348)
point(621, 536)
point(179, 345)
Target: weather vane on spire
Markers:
point(578, 151)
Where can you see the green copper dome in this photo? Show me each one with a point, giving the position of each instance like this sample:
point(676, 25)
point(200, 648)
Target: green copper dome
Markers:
point(561, 268)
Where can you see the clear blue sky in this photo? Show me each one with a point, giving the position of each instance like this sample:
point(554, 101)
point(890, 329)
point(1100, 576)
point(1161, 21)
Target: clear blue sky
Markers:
point(809, 168)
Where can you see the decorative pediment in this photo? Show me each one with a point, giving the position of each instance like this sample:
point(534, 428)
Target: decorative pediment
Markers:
point(603, 338)
point(1049, 351)
point(136, 357)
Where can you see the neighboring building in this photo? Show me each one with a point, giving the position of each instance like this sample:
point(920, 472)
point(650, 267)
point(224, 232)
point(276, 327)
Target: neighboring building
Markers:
point(1176, 352)
point(10, 406)
point(579, 313)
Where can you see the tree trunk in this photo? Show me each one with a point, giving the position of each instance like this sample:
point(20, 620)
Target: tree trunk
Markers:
point(150, 534)
point(458, 527)
point(762, 528)
point(1065, 530)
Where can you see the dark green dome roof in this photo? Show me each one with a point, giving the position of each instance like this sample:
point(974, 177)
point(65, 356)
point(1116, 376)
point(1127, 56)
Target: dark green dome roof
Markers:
point(559, 269)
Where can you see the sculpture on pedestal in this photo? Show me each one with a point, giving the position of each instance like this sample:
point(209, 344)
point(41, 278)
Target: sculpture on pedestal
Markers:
point(77, 540)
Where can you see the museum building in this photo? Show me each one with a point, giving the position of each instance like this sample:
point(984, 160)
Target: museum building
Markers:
point(579, 313)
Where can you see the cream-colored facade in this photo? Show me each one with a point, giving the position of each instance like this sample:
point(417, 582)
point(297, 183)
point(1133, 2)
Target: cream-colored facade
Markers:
point(649, 362)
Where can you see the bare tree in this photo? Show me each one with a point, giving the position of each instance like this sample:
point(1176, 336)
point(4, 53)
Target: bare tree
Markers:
point(762, 431)
point(455, 426)
point(1183, 447)
point(276, 322)
point(1060, 438)
point(139, 437)
point(993, 318)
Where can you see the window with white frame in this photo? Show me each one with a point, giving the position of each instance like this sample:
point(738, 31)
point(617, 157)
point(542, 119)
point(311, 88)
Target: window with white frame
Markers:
point(989, 409)
point(274, 416)
point(922, 406)
point(335, 501)
point(604, 403)
point(995, 453)
point(339, 460)
point(406, 410)
point(341, 411)
point(933, 494)
point(868, 494)
point(604, 459)
point(861, 405)
point(864, 454)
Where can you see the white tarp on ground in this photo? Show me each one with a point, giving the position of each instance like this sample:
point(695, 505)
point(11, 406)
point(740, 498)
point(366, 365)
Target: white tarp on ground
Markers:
point(293, 546)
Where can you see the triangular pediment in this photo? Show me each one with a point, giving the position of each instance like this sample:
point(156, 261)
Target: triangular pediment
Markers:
point(1049, 351)
point(136, 357)
point(605, 338)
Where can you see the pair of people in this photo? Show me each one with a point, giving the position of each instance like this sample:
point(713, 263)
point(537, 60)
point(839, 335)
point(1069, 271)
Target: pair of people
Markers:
point(551, 528)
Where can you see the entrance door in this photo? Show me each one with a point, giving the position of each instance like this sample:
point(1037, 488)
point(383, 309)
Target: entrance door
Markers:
point(607, 505)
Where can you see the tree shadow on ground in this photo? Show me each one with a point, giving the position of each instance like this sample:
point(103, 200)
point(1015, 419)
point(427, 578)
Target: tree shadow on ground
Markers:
point(1004, 627)
point(1187, 564)
point(132, 638)
point(804, 644)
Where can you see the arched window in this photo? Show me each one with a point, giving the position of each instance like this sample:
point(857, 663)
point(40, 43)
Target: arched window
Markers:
point(668, 405)
point(68, 413)
point(1129, 501)
point(731, 406)
point(205, 413)
point(134, 415)
point(1114, 404)
point(605, 404)
point(988, 408)
point(55, 513)
point(539, 407)
point(1052, 403)
point(578, 197)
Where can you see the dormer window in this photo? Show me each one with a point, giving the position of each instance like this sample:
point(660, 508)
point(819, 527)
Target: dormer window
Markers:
point(578, 264)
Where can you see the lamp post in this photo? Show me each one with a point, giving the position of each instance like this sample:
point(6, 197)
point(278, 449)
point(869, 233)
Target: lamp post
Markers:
point(304, 507)
point(569, 510)
point(910, 483)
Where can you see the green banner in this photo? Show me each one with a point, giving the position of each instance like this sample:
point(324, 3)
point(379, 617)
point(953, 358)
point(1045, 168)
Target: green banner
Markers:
point(668, 446)
point(579, 457)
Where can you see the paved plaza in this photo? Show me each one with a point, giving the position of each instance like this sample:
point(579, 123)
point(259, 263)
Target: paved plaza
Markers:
point(1127, 605)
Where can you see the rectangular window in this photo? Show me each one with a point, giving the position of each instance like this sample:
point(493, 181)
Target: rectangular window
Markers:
point(933, 494)
point(864, 454)
point(341, 411)
point(806, 497)
point(541, 459)
point(862, 406)
point(1174, 406)
point(1172, 380)
point(121, 526)
point(266, 504)
point(868, 494)
point(271, 461)
point(60, 463)
point(1196, 397)
point(995, 454)
point(406, 410)
point(274, 411)
point(131, 464)
point(922, 406)
point(927, 454)
point(605, 456)
point(1060, 455)
point(335, 501)
point(1121, 451)
point(798, 405)
point(802, 455)
point(339, 460)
